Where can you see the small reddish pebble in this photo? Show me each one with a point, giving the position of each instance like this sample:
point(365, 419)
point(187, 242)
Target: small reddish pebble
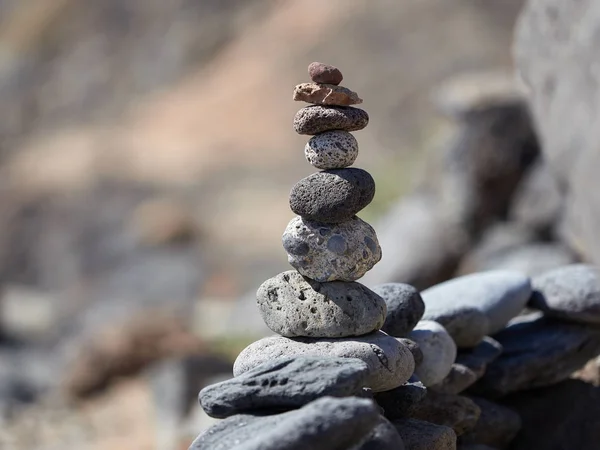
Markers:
point(324, 73)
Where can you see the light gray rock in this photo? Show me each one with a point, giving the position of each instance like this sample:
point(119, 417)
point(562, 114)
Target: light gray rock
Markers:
point(466, 324)
point(384, 436)
point(439, 351)
point(499, 294)
point(330, 252)
point(390, 363)
point(292, 305)
point(331, 150)
point(570, 292)
point(404, 307)
point(284, 383)
point(454, 411)
point(399, 403)
point(459, 379)
point(317, 119)
point(326, 424)
point(497, 425)
point(421, 435)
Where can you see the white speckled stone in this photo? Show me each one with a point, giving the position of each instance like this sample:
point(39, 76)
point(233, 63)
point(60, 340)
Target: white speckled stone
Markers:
point(439, 351)
point(390, 363)
point(331, 150)
point(292, 305)
point(329, 252)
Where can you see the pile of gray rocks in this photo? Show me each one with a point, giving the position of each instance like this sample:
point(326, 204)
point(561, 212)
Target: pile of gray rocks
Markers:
point(388, 367)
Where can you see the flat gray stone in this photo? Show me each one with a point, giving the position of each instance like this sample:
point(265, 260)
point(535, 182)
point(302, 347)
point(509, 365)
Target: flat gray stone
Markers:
point(332, 196)
point(390, 363)
point(292, 305)
point(571, 292)
point(454, 411)
point(284, 384)
point(497, 425)
point(316, 119)
point(466, 324)
point(459, 379)
point(499, 294)
point(439, 351)
point(331, 150)
point(404, 307)
point(538, 351)
point(421, 435)
point(384, 436)
point(325, 424)
point(330, 252)
point(399, 403)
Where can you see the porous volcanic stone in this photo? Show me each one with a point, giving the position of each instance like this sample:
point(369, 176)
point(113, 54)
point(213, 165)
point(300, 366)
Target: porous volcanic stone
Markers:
point(329, 252)
point(404, 307)
point(384, 436)
point(390, 363)
point(325, 424)
point(331, 150)
point(326, 94)
point(399, 402)
point(421, 435)
point(316, 119)
point(332, 196)
point(439, 351)
point(283, 384)
point(324, 73)
point(455, 411)
point(571, 292)
point(292, 305)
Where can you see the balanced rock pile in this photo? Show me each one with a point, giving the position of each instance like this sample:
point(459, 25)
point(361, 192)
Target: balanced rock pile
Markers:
point(357, 368)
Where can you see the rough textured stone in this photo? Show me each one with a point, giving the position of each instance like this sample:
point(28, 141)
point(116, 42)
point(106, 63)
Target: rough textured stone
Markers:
point(414, 349)
point(404, 307)
point(570, 292)
point(292, 305)
point(538, 351)
point(316, 119)
point(324, 73)
point(399, 402)
point(439, 351)
point(331, 150)
point(466, 324)
point(325, 94)
point(500, 295)
point(454, 411)
point(329, 252)
point(327, 424)
point(283, 384)
point(420, 435)
point(459, 379)
point(384, 436)
point(497, 425)
point(390, 363)
point(332, 196)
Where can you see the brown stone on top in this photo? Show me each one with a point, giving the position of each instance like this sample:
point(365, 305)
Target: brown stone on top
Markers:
point(324, 73)
point(325, 94)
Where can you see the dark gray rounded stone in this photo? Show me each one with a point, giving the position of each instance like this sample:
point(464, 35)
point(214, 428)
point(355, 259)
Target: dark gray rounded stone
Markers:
point(325, 424)
point(332, 196)
point(454, 411)
point(404, 307)
point(459, 379)
point(399, 402)
point(414, 349)
point(284, 384)
point(383, 437)
point(497, 425)
point(331, 150)
point(316, 119)
point(292, 305)
point(571, 292)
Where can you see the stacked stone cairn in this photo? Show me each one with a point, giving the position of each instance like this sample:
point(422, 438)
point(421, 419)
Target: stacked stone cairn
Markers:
point(376, 369)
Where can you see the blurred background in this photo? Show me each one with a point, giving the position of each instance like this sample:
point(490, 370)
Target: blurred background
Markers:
point(146, 157)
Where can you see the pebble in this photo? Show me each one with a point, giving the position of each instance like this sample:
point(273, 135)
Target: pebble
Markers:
point(439, 351)
point(390, 363)
point(326, 94)
point(384, 436)
point(316, 119)
point(571, 292)
point(458, 380)
point(399, 402)
point(454, 411)
point(538, 351)
point(421, 435)
point(284, 384)
point(292, 305)
point(499, 294)
point(330, 252)
point(332, 196)
point(324, 73)
point(404, 307)
point(325, 424)
point(466, 324)
point(331, 150)
point(497, 425)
